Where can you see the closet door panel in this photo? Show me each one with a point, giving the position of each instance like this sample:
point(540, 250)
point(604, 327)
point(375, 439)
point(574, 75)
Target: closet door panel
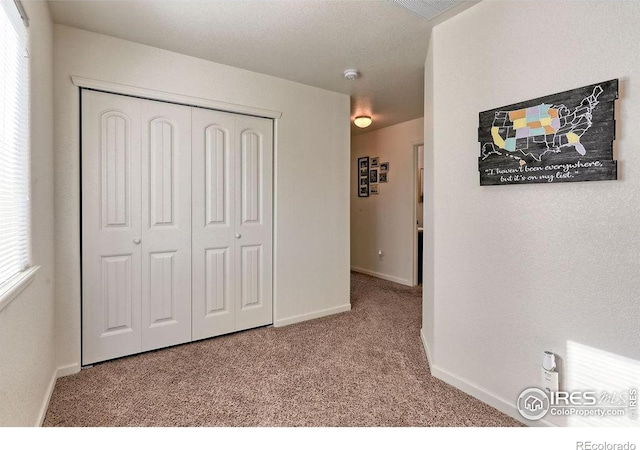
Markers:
point(213, 179)
point(253, 221)
point(111, 223)
point(166, 224)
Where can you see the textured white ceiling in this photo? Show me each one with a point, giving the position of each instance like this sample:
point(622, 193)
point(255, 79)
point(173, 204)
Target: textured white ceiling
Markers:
point(429, 9)
point(311, 42)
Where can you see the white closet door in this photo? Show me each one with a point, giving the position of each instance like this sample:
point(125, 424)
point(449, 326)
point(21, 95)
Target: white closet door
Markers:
point(111, 218)
point(166, 224)
point(232, 222)
point(253, 221)
point(176, 224)
point(213, 177)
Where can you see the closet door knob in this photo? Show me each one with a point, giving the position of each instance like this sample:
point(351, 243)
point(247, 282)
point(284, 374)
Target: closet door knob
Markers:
point(136, 241)
point(238, 236)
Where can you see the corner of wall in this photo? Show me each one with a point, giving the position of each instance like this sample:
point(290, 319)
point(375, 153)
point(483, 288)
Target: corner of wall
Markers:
point(428, 276)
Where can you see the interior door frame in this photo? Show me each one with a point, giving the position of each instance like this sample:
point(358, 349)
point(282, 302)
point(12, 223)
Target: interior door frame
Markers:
point(414, 215)
point(168, 97)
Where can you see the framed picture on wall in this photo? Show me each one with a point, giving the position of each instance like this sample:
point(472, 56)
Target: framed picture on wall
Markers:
point(363, 176)
point(373, 189)
point(375, 161)
point(373, 176)
point(384, 167)
point(383, 177)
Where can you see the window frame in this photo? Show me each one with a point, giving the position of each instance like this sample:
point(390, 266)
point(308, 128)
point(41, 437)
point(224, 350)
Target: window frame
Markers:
point(13, 286)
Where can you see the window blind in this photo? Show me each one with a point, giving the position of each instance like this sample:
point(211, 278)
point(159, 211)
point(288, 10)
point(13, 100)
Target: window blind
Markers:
point(14, 143)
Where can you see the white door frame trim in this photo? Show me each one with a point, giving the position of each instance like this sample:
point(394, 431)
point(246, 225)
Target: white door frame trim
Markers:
point(415, 165)
point(170, 97)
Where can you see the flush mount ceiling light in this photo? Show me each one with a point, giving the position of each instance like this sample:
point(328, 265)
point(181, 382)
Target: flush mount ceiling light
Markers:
point(351, 74)
point(362, 121)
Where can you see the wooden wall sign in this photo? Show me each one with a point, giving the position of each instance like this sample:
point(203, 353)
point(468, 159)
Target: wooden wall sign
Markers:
point(562, 137)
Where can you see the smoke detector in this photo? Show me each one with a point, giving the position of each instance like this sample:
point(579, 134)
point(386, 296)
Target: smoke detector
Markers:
point(351, 74)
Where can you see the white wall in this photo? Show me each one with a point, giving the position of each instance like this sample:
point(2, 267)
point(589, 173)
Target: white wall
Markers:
point(27, 343)
point(522, 269)
point(385, 221)
point(311, 170)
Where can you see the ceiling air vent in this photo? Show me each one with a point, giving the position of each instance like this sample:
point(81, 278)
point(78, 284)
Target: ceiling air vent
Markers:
point(428, 9)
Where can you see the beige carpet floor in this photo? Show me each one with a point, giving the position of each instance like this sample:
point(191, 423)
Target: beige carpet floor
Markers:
point(365, 367)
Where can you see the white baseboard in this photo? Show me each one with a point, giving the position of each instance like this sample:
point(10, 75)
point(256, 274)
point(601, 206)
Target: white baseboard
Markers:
point(425, 344)
point(59, 372)
point(382, 276)
point(69, 369)
point(312, 315)
point(478, 392)
point(46, 399)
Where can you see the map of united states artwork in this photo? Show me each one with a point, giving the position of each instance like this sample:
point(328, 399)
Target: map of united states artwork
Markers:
point(562, 137)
